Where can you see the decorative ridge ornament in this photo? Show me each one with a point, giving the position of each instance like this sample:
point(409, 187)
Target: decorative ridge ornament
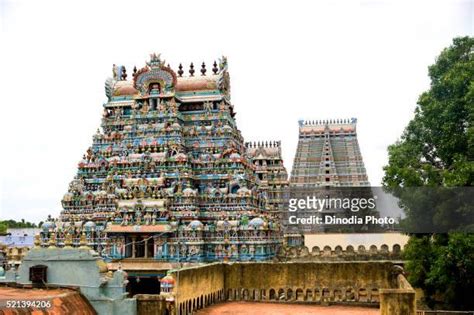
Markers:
point(155, 61)
point(83, 241)
point(37, 241)
point(155, 71)
point(109, 88)
point(68, 240)
point(223, 66)
point(223, 82)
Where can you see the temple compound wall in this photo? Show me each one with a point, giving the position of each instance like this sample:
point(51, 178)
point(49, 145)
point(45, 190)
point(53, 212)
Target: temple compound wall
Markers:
point(303, 254)
point(399, 300)
point(199, 287)
point(371, 284)
point(320, 282)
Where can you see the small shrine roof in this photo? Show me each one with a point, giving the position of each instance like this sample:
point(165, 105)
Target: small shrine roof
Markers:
point(331, 125)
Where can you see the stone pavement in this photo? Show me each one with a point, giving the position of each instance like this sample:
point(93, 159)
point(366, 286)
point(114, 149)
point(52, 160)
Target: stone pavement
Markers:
point(252, 308)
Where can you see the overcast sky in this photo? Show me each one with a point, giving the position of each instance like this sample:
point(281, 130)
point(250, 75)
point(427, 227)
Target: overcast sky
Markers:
point(287, 60)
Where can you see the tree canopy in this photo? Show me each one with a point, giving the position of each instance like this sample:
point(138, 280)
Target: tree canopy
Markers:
point(437, 147)
point(6, 224)
point(437, 150)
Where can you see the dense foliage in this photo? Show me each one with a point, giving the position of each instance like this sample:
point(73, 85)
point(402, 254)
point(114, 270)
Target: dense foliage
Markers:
point(437, 150)
point(4, 225)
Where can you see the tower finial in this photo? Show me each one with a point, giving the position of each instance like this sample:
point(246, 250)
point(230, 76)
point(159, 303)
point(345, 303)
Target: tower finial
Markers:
point(214, 67)
point(155, 60)
point(203, 69)
point(191, 70)
point(124, 74)
point(180, 70)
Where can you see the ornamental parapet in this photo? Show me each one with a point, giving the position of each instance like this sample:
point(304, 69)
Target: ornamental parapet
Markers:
point(302, 253)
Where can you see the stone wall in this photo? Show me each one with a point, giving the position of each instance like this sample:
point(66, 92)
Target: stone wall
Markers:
point(308, 282)
point(355, 239)
point(355, 283)
point(338, 253)
point(198, 287)
point(151, 304)
point(400, 300)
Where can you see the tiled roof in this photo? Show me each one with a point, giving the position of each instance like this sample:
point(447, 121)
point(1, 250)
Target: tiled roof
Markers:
point(62, 301)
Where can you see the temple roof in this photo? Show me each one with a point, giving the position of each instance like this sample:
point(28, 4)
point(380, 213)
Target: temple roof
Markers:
point(200, 85)
point(184, 84)
point(124, 88)
point(259, 150)
point(331, 125)
point(62, 301)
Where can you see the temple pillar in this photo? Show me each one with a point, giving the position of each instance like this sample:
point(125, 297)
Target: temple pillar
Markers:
point(133, 246)
point(146, 246)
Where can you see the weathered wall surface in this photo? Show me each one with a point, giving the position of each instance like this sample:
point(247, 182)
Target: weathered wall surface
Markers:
point(355, 240)
point(400, 300)
point(198, 287)
point(150, 304)
point(357, 283)
point(361, 253)
point(324, 282)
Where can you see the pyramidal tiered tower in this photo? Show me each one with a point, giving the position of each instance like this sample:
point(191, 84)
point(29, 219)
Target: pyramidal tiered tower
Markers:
point(271, 172)
point(328, 154)
point(167, 177)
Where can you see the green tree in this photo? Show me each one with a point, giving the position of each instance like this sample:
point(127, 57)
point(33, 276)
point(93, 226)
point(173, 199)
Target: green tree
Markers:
point(14, 224)
point(437, 150)
point(3, 227)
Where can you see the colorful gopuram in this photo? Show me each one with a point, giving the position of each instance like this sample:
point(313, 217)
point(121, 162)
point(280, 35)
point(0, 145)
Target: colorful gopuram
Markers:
point(167, 176)
point(271, 172)
point(328, 154)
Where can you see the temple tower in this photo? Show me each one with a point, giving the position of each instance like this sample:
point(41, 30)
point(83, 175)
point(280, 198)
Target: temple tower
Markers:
point(328, 154)
point(167, 177)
